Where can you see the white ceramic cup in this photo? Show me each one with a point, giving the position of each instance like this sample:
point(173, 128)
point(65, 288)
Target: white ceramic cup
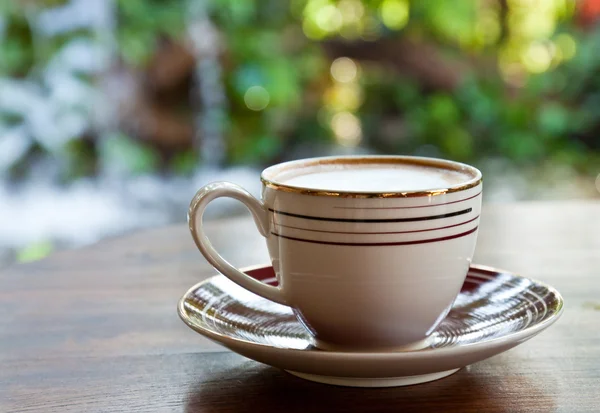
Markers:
point(363, 271)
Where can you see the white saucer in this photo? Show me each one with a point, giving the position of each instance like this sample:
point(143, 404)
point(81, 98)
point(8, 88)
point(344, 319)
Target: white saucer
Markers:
point(494, 312)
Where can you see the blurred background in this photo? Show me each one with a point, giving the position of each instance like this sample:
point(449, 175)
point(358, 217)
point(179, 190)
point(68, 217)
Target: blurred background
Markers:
point(114, 112)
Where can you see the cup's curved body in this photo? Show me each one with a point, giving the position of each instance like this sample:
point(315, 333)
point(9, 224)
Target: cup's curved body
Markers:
point(371, 271)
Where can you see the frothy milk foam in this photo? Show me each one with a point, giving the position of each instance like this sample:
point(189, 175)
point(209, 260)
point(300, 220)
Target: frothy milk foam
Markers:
point(372, 177)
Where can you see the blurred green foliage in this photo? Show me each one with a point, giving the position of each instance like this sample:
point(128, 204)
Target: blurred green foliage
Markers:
point(140, 23)
point(527, 88)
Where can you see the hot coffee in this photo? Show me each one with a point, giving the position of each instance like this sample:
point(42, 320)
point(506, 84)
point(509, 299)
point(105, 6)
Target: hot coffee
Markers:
point(372, 177)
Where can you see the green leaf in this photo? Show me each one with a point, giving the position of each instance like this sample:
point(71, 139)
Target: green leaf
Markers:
point(457, 143)
point(522, 146)
point(185, 163)
point(136, 46)
point(129, 155)
point(405, 94)
point(553, 119)
point(443, 110)
point(282, 83)
point(35, 251)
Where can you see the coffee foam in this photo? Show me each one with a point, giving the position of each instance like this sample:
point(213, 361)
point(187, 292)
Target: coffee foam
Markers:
point(372, 177)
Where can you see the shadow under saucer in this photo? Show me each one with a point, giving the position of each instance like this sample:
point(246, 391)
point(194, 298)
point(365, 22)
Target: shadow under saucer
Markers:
point(246, 386)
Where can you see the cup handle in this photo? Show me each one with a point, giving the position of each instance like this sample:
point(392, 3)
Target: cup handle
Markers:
point(261, 218)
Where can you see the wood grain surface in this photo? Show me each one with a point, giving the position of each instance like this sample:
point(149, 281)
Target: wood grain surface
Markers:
point(96, 329)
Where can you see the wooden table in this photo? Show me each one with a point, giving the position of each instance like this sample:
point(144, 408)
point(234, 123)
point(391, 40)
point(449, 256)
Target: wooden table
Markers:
point(96, 329)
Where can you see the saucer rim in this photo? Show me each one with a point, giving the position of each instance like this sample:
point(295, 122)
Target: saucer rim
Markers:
point(513, 338)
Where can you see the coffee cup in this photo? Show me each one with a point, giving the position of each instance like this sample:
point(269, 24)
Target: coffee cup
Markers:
point(370, 252)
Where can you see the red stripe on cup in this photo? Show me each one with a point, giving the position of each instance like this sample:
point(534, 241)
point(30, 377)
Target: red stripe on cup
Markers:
point(377, 244)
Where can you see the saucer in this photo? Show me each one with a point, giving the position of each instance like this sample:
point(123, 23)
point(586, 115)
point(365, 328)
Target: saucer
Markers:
point(495, 311)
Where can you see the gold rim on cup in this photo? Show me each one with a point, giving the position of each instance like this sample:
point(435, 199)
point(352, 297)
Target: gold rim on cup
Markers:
point(378, 159)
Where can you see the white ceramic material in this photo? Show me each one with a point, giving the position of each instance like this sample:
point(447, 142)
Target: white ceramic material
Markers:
point(362, 270)
point(494, 311)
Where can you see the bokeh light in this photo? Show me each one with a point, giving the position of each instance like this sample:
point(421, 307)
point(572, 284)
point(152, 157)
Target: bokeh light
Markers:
point(343, 96)
point(529, 38)
point(537, 57)
point(329, 18)
point(347, 129)
point(351, 10)
point(394, 13)
point(567, 46)
point(320, 18)
point(311, 30)
point(534, 25)
point(256, 98)
point(344, 70)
